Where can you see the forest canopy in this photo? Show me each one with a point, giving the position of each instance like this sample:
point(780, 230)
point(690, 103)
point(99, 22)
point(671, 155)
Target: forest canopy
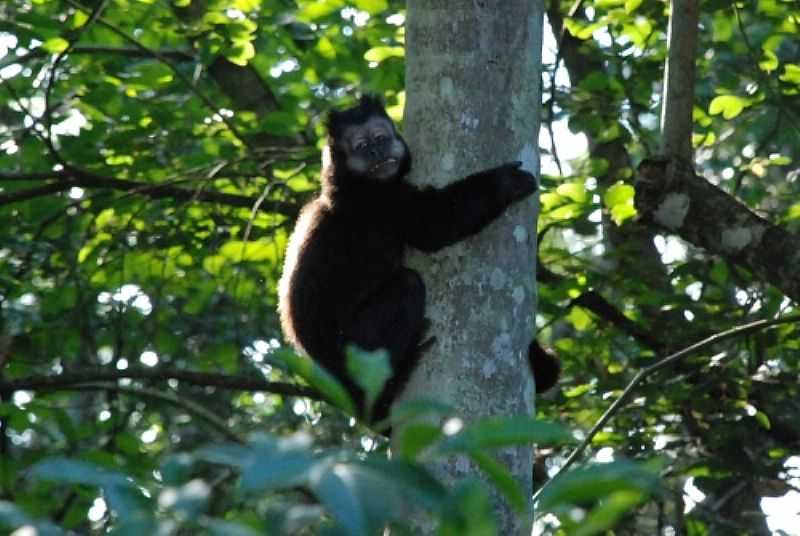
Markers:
point(154, 155)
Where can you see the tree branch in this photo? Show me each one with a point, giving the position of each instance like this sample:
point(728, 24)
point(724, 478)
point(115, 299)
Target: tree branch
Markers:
point(71, 176)
point(130, 52)
point(33, 193)
point(644, 373)
point(192, 407)
point(671, 196)
point(67, 380)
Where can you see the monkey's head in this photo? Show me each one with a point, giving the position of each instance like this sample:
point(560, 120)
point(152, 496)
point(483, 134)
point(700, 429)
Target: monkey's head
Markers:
point(364, 146)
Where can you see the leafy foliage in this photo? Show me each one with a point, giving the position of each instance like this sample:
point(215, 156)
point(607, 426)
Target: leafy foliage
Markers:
point(153, 157)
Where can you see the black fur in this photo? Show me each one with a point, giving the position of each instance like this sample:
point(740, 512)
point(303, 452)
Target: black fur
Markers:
point(344, 280)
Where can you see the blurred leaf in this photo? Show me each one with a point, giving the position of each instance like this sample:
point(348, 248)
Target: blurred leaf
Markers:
point(370, 370)
point(68, 471)
point(729, 106)
point(504, 432)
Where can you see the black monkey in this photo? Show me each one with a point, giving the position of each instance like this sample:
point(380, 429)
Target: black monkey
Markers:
point(344, 280)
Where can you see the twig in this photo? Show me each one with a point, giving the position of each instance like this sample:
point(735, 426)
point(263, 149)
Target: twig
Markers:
point(647, 371)
point(201, 379)
point(192, 407)
point(177, 72)
point(73, 176)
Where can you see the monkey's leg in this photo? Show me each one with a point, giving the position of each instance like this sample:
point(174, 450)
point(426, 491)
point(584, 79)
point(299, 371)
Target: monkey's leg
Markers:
point(393, 318)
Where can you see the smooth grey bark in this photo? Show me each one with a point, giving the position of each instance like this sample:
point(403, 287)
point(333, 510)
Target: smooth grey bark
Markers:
point(672, 197)
point(679, 77)
point(473, 97)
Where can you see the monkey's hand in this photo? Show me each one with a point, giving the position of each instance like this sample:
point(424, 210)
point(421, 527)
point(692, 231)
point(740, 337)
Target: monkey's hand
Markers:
point(514, 183)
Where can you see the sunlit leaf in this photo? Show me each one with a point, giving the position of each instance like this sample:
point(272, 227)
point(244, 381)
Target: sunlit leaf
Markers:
point(378, 54)
point(728, 105)
point(55, 45)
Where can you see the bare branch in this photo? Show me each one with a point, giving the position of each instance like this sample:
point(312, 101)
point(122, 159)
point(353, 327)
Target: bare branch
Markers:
point(165, 396)
point(68, 380)
point(33, 193)
point(644, 373)
point(72, 176)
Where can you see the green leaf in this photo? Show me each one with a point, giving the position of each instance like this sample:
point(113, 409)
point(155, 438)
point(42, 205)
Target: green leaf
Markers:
point(500, 432)
point(247, 5)
point(574, 190)
point(501, 478)
point(55, 45)
point(763, 420)
point(609, 511)
point(278, 464)
point(412, 439)
point(619, 194)
point(372, 6)
point(791, 74)
point(370, 370)
point(770, 61)
point(241, 53)
point(378, 54)
point(598, 482)
point(579, 318)
point(318, 377)
point(334, 487)
point(728, 105)
point(632, 5)
point(69, 471)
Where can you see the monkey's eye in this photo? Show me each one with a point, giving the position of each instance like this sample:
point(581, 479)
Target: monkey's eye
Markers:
point(361, 145)
point(380, 137)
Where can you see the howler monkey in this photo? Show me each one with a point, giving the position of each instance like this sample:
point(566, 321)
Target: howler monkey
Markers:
point(344, 281)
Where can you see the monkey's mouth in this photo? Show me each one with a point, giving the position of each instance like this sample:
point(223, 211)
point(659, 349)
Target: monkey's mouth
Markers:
point(380, 165)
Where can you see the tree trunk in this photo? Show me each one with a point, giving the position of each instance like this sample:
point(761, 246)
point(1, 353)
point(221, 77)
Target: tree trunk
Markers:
point(473, 88)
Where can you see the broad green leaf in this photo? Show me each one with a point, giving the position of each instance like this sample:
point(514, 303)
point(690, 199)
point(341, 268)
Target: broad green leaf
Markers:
point(318, 377)
point(334, 487)
point(370, 370)
point(620, 213)
point(505, 432)
point(728, 105)
point(574, 190)
point(241, 53)
point(412, 480)
point(411, 439)
point(791, 74)
point(55, 45)
point(378, 54)
point(69, 471)
point(217, 527)
point(609, 511)
point(252, 251)
point(763, 420)
point(278, 463)
point(312, 10)
point(581, 29)
point(632, 5)
point(501, 478)
point(247, 5)
point(619, 194)
point(372, 6)
point(770, 61)
point(579, 318)
point(598, 482)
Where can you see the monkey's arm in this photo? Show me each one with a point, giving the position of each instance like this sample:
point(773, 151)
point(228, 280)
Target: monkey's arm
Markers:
point(440, 218)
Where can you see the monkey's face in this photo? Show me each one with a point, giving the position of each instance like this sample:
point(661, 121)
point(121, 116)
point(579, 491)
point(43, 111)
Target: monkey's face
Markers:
point(374, 149)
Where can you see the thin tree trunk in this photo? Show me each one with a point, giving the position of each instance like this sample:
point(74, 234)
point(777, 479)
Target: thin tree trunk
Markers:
point(679, 76)
point(473, 87)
